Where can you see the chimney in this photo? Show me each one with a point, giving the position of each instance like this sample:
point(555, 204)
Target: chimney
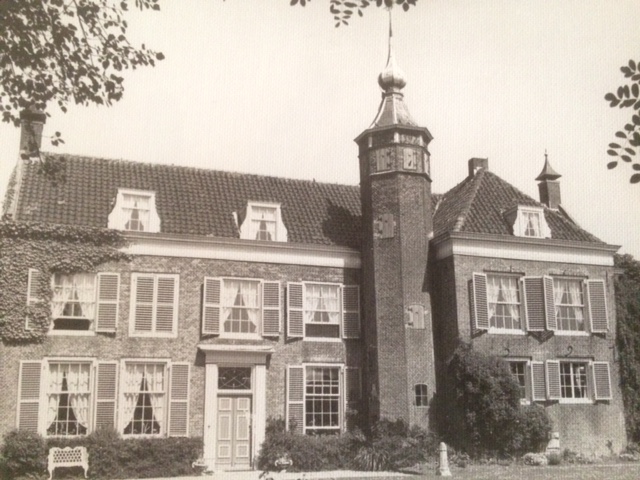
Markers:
point(549, 187)
point(31, 123)
point(476, 164)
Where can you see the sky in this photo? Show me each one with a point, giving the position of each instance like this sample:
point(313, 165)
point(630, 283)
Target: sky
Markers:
point(258, 86)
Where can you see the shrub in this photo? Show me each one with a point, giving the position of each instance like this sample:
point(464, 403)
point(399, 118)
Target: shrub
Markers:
point(24, 453)
point(480, 413)
point(554, 458)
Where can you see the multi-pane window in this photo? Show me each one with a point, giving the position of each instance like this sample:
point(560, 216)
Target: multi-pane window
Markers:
point(519, 371)
point(241, 306)
point(68, 397)
point(532, 224)
point(73, 301)
point(503, 296)
point(322, 400)
point(421, 395)
point(322, 310)
point(569, 301)
point(264, 222)
point(144, 396)
point(573, 380)
point(136, 209)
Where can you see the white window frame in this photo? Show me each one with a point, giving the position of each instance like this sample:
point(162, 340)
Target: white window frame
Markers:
point(132, 307)
point(518, 218)
point(519, 290)
point(528, 394)
point(425, 396)
point(223, 306)
point(92, 321)
point(44, 393)
point(306, 310)
point(118, 217)
point(589, 394)
point(341, 396)
point(585, 317)
point(250, 226)
point(122, 391)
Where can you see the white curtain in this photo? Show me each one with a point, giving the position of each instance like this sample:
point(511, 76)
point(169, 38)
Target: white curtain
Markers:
point(133, 381)
point(559, 287)
point(78, 385)
point(244, 294)
point(56, 374)
point(493, 290)
point(85, 285)
point(575, 294)
point(155, 382)
point(62, 292)
point(323, 298)
point(510, 290)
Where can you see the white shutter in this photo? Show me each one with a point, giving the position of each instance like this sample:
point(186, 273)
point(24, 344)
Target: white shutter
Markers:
point(211, 308)
point(538, 384)
point(550, 304)
point(534, 303)
point(33, 281)
point(29, 396)
point(295, 399)
point(166, 303)
point(107, 304)
point(271, 309)
point(179, 401)
point(106, 395)
point(351, 311)
point(597, 297)
point(480, 302)
point(553, 380)
point(295, 310)
point(601, 381)
point(142, 288)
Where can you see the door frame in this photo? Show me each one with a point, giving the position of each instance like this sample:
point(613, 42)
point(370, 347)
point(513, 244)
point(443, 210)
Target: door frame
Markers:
point(254, 356)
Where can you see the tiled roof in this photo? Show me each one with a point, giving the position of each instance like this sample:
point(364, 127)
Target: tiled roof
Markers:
point(478, 203)
point(191, 200)
point(201, 202)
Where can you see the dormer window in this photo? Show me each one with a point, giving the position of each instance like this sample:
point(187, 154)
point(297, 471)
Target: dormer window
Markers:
point(135, 211)
point(263, 221)
point(528, 221)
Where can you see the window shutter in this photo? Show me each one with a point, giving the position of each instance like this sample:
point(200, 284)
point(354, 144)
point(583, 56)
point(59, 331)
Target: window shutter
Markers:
point(107, 305)
point(106, 385)
point(271, 309)
point(534, 303)
point(33, 281)
point(166, 303)
point(553, 380)
point(211, 306)
point(601, 381)
point(29, 396)
point(351, 311)
point(550, 304)
point(295, 399)
point(179, 400)
point(538, 384)
point(480, 302)
point(596, 295)
point(353, 390)
point(295, 310)
point(144, 287)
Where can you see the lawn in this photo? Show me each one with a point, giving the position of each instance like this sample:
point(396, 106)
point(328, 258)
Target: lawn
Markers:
point(624, 471)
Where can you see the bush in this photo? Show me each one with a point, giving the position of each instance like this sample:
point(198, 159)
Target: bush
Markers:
point(554, 458)
point(480, 413)
point(23, 453)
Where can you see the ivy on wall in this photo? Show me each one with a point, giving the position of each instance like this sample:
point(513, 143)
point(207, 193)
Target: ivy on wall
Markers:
point(49, 249)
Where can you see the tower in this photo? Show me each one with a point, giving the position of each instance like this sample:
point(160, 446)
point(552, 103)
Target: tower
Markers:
point(549, 187)
point(397, 212)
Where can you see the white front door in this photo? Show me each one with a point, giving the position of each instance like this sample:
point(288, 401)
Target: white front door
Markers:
point(234, 432)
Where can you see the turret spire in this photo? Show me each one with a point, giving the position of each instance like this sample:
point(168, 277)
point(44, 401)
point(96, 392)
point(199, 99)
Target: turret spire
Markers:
point(392, 79)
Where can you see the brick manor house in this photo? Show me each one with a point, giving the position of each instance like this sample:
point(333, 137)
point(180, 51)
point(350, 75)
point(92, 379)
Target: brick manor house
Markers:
point(248, 297)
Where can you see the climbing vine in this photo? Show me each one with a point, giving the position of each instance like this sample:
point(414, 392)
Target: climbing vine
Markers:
point(49, 249)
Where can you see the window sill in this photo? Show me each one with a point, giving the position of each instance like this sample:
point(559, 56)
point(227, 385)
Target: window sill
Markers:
point(570, 333)
point(506, 331)
point(524, 401)
point(152, 335)
point(240, 336)
point(575, 401)
point(71, 333)
point(322, 339)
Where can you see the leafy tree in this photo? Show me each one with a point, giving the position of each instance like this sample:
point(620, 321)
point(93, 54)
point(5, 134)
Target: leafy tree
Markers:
point(480, 411)
point(342, 10)
point(627, 96)
point(628, 339)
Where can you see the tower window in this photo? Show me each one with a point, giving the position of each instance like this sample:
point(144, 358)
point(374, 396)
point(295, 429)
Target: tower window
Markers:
point(422, 397)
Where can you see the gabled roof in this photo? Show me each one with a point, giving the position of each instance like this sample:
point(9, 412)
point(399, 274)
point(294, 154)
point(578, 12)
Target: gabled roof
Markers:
point(478, 203)
point(190, 200)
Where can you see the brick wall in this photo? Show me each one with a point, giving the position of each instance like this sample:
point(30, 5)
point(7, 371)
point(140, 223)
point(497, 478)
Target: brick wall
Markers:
point(184, 348)
point(583, 428)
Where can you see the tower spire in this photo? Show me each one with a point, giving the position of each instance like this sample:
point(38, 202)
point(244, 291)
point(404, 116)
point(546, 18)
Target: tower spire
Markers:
point(392, 78)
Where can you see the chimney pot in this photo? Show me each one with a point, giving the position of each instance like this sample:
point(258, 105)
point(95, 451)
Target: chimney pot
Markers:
point(477, 163)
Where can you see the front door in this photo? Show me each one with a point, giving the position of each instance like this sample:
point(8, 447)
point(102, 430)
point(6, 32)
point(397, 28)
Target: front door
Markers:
point(234, 432)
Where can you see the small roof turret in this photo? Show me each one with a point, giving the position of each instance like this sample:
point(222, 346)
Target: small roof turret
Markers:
point(547, 173)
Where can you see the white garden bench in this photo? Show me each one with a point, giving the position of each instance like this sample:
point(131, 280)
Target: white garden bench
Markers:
point(68, 457)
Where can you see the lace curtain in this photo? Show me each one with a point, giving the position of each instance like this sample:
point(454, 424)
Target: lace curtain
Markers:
point(322, 304)
point(74, 381)
point(71, 290)
point(143, 379)
point(241, 302)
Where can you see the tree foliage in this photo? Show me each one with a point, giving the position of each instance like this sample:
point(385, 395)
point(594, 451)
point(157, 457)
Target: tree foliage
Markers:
point(343, 10)
point(61, 51)
point(628, 340)
point(628, 139)
point(480, 411)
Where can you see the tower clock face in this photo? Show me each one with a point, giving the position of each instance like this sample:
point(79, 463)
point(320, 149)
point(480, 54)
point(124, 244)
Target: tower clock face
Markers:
point(410, 159)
